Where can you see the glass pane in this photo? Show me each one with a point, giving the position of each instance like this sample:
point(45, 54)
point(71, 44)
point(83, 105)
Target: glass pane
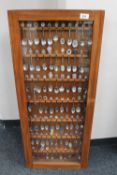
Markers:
point(56, 63)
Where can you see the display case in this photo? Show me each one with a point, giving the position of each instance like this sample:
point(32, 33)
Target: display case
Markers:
point(55, 57)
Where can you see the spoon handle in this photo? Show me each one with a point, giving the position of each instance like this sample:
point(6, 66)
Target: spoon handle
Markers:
point(62, 59)
point(82, 33)
point(68, 60)
point(81, 57)
point(31, 59)
point(30, 34)
point(69, 32)
point(43, 33)
point(75, 59)
point(56, 60)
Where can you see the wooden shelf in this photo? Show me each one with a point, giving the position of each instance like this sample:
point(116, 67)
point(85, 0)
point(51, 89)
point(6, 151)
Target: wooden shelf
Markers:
point(55, 28)
point(54, 80)
point(54, 137)
point(53, 151)
point(54, 55)
point(55, 120)
point(55, 101)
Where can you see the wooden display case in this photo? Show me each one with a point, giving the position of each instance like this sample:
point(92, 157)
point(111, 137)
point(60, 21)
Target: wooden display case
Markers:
point(56, 57)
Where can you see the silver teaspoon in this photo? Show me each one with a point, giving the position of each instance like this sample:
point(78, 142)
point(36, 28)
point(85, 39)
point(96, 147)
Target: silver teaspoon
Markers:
point(62, 40)
point(73, 109)
point(25, 67)
point(43, 40)
point(44, 66)
point(30, 41)
point(69, 41)
point(49, 40)
point(75, 40)
point(61, 109)
point(55, 38)
point(89, 42)
point(69, 66)
point(82, 42)
point(50, 88)
point(51, 110)
point(56, 90)
point(62, 67)
point(38, 68)
point(42, 24)
point(74, 89)
point(51, 66)
point(74, 67)
point(31, 67)
point(78, 109)
point(68, 51)
point(24, 42)
point(61, 88)
point(36, 39)
point(56, 68)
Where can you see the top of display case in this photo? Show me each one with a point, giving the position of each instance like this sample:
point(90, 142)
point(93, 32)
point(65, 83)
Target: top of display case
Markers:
point(56, 14)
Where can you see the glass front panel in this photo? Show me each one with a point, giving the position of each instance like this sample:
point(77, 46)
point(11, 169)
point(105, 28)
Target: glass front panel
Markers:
point(56, 62)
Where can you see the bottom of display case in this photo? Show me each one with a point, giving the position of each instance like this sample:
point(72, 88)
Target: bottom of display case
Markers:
point(56, 164)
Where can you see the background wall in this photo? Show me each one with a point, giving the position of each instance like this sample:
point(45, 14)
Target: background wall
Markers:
point(105, 116)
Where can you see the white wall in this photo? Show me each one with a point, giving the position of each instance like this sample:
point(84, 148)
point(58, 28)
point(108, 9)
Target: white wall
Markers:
point(105, 119)
point(105, 116)
point(8, 101)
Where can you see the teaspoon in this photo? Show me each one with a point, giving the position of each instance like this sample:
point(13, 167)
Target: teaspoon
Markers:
point(68, 51)
point(61, 88)
point(36, 39)
point(25, 67)
point(69, 68)
point(50, 41)
point(74, 67)
point(30, 41)
point(61, 109)
point(56, 108)
point(82, 42)
point(38, 68)
point(40, 110)
point(31, 67)
point(56, 89)
point(44, 65)
point(37, 89)
point(73, 109)
point(22, 24)
point(78, 109)
point(24, 42)
point(49, 50)
point(43, 40)
point(42, 24)
point(56, 66)
point(24, 51)
point(51, 66)
point(62, 67)
point(35, 24)
point(73, 89)
point(29, 24)
point(89, 42)
point(79, 89)
point(62, 40)
point(51, 110)
point(69, 41)
point(55, 38)
point(75, 43)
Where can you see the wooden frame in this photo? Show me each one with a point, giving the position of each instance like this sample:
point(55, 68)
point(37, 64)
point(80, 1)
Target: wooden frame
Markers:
point(18, 15)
